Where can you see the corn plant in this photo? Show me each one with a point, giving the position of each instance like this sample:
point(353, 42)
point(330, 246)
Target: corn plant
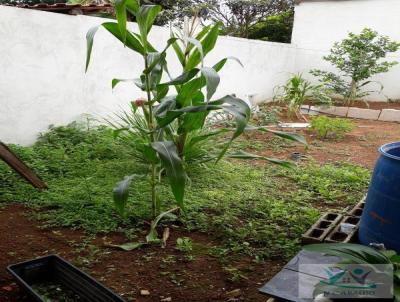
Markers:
point(296, 91)
point(171, 119)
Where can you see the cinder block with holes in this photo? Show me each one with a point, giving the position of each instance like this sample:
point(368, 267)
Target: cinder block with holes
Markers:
point(358, 209)
point(338, 236)
point(319, 230)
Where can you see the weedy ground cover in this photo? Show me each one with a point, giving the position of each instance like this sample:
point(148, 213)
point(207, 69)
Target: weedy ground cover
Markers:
point(256, 210)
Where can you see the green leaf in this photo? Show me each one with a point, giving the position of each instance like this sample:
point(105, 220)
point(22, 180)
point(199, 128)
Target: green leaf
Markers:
point(241, 112)
point(222, 63)
point(212, 80)
point(395, 259)
point(130, 246)
point(397, 293)
point(356, 253)
point(160, 92)
point(153, 235)
point(246, 155)
point(171, 115)
point(166, 104)
point(120, 12)
point(178, 51)
point(89, 44)
point(172, 163)
point(207, 44)
point(121, 194)
point(286, 135)
point(137, 82)
point(199, 50)
point(132, 6)
point(199, 37)
point(158, 57)
point(183, 78)
point(130, 40)
point(194, 120)
point(154, 58)
point(187, 91)
point(190, 88)
point(150, 154)
point(145, 19)
point(200, 138)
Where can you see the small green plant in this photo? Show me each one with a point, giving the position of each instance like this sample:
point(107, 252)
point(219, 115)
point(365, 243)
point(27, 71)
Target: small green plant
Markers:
point(235, 274)
point(265, 115)
point(296, 91)
point(360, 254)
point(357, 58)
point(331, 127)
point(184, 244)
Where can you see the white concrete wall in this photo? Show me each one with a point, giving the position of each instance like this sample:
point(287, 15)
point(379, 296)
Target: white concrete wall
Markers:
point(42, 57)
point(320, 23)
point(42, 78)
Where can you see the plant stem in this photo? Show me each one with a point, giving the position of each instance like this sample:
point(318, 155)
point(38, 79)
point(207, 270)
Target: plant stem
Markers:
point(154, 204)
point(353, 92)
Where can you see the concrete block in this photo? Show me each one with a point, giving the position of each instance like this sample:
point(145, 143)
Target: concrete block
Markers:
point(313, 110)
point(304, 109)
point(366, 114)
point(337, 236)
point(322, 228)
point(358, 209)
point(338, 111)
point(390, 115)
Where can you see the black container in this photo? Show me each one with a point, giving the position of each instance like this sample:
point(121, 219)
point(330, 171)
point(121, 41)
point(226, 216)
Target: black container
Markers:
point(55, 269)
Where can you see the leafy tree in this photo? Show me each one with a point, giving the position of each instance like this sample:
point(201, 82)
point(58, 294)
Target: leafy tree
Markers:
point(174, 11)
point(358, 58)
point(238, 17)
point(274, 28)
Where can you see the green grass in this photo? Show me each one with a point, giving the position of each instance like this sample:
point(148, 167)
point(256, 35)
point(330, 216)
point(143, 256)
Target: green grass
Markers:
point(259, 211)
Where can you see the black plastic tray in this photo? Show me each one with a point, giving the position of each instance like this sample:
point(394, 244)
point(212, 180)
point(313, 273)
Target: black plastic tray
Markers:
point(54, 268)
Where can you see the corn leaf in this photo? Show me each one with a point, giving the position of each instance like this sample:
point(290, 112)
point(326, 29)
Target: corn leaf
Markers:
point(172, 163)
point(121, 194)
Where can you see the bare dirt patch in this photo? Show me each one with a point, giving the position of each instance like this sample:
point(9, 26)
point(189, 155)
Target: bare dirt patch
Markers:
point(164, 273)
point(358, 147)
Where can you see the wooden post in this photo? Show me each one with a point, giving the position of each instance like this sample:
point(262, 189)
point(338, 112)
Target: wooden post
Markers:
point(20, 167)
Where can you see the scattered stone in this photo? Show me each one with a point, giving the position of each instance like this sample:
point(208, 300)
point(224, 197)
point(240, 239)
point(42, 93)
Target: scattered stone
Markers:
point(168, 299)
point(233, 293)
point(144, 292)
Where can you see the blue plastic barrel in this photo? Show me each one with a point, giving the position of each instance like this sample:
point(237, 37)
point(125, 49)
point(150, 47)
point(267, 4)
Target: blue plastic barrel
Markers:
point(380, 221)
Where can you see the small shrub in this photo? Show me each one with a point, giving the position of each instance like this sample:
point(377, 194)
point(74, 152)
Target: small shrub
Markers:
point(266, 115)
point(331, 127)
point(297, 90)
point(184, 244)
point(357, 58)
